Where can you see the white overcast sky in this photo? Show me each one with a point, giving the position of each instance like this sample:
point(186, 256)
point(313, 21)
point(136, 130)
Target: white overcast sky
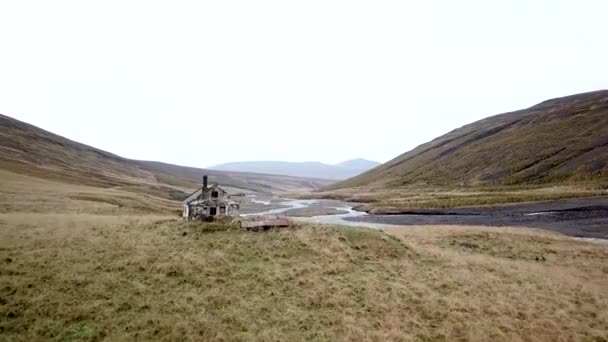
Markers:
point(204, 82)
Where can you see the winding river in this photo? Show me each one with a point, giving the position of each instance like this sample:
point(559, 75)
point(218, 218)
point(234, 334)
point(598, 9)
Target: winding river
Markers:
point(583, 225)
point(340, 219)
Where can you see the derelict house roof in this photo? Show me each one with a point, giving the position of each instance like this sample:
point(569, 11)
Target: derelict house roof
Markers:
point(198, 191)
point(192, 196)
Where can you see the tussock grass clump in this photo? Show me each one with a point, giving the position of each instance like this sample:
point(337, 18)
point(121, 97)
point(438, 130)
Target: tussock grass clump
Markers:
point(219, 225)
point(504, 245)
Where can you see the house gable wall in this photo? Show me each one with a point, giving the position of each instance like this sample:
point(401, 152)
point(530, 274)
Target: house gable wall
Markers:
point(203, 206)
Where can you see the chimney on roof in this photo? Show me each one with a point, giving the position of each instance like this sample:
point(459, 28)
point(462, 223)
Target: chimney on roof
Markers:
point(204, 183)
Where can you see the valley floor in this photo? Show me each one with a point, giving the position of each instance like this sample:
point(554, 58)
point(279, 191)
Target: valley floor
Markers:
point(89, 277)
point(583, 217)
point(81, 270)
point(394, 200)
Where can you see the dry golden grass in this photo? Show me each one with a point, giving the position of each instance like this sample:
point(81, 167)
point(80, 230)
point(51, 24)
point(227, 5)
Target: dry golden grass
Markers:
point(105, 272)
point(513, 283)
point(35, 195)
point(90, 277)
point(429, 197)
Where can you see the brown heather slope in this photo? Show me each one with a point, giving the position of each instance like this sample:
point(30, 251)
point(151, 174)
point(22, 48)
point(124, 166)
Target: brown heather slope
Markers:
point(559, 141)
point(28, 150)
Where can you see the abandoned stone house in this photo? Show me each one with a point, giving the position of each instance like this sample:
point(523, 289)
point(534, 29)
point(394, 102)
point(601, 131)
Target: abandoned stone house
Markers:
point(209, 201)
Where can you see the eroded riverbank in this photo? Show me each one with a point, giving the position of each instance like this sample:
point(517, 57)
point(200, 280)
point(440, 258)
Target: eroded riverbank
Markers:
point(582, 218)
point(587, 218)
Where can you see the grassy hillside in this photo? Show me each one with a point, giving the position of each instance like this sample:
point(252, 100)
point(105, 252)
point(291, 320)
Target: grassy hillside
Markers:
point(76, 269)
point(28, 194)
point(557, 142)
point(27, 149)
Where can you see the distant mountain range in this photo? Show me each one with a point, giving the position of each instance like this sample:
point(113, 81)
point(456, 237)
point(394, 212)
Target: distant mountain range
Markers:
point(343, 170)
point(559, 141)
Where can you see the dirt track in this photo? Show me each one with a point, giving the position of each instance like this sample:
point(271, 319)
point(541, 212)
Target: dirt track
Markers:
point(577, 217)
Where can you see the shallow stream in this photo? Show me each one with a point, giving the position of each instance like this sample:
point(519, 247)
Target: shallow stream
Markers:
point(587, 223)
point(290, 204)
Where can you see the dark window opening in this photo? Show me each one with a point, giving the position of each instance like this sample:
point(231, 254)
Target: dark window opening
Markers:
point(214, 194)
point(212, 211)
